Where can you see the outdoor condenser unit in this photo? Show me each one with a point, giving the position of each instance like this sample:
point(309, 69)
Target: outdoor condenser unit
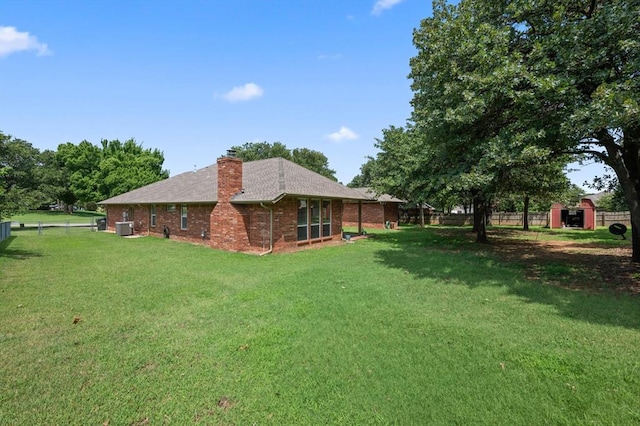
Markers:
point(124, 228)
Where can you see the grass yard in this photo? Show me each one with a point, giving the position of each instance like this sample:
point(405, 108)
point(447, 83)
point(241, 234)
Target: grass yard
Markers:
point(411, 326)
point(55, 217)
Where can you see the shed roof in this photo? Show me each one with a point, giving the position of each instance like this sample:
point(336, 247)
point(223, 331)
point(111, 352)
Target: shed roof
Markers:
point(262, 181)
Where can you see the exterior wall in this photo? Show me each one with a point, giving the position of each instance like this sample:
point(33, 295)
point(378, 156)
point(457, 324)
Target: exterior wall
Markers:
point(374, 215)
point(556, 220)
point(392, 213)
point(197, 220)
point(138, 214)
point(589, 213)
point(285, 226)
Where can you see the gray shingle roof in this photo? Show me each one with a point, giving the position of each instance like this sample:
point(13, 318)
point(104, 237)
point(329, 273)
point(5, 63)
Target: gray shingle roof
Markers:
point(382, 198)
point(263, 181)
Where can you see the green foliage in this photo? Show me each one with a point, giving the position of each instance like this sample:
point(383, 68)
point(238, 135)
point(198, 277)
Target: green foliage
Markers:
point(95, 173)
point(613, 202)
point(366, 176)
point(24, 182)
point(508, 86)
point(308, 158)
point(252, 151)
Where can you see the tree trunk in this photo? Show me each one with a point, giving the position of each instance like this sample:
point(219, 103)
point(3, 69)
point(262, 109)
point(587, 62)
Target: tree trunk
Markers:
point(624, 159)
point(421, 215)
point(525, 214)
point(480, 219)
point(482, 226)
point(476, 208)
point(635, 243)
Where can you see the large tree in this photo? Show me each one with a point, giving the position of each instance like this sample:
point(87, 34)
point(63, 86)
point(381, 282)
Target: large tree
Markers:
point(500, 84)
point(365, 177)
point(312, 160)
point(21, 186)
point(94, 173)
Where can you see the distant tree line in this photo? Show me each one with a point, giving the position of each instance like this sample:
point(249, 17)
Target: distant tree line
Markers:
point(308, 158)
point(81, 174)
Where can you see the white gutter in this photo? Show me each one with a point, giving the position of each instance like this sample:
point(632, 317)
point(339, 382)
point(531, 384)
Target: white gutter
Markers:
point(270, 229)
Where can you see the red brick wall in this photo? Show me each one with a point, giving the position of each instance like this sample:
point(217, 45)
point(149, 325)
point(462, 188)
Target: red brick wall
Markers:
point(197, 220)
point(374, 215)
point(392, 213)
point(249, 233)
point(285, 225)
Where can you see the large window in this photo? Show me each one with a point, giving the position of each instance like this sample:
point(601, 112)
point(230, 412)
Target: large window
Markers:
point(303, 220)
point(183, 217)
point(326, 218)
point(153, 215)
point(314, 210)
point(314, 219)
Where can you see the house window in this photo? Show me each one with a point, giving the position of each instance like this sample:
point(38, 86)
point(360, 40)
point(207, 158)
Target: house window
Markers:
point(183, 217)
point(153, 215)
point(314, 219)
point(314, 210)
point(326, 218)
point(303, 220)
point(171, 207)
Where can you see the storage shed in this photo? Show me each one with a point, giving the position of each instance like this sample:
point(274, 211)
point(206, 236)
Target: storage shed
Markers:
point(581, 217)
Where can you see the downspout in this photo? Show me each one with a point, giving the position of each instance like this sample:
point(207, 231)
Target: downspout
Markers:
point(270, 229)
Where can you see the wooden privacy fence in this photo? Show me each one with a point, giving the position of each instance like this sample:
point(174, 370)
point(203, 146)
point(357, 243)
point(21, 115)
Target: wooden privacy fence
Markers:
point(5, 230)
point(609, 218)
point(515, 219)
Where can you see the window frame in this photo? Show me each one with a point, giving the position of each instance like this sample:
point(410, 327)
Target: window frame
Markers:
point(316, 227)
point(184, 217)
point(153, 216)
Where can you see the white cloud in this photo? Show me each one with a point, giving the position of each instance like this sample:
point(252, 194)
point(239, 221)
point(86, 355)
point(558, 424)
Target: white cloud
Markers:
point(244, 93)
point(344, 134)
point(11, 41)
point(382, 5)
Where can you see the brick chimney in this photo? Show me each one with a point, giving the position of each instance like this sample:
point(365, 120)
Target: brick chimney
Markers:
point(229, 176)
point(227, 221)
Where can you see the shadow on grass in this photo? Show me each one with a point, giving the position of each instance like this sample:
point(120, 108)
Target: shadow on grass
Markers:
point(6, 251)
point(578, 284)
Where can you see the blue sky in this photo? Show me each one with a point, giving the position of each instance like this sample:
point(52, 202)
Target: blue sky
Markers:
point(193, 78)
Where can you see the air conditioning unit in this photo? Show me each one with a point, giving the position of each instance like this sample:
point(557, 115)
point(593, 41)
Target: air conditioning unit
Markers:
point(124, 228)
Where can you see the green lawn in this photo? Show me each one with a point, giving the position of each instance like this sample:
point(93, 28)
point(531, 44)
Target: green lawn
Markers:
point(408, 327)
point(55, 217)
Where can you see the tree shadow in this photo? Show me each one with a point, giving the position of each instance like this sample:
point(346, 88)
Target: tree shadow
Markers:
point(590, 282)
point(19, 254)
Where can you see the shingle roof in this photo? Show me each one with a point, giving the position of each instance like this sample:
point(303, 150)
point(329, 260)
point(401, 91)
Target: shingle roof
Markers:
point(263, 181)
point(382, 198)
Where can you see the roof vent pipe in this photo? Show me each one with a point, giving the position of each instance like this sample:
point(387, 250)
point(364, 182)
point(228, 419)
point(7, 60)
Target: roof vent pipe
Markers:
point(231, 153)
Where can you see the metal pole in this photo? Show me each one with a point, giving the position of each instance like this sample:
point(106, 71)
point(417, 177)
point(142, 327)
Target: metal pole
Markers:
point(39, 228)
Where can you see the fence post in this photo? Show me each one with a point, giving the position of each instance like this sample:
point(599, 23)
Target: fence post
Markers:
point(39, 228)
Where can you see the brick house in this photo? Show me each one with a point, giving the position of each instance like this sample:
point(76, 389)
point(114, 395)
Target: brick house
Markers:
point(378, 211)
point(258, 206)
